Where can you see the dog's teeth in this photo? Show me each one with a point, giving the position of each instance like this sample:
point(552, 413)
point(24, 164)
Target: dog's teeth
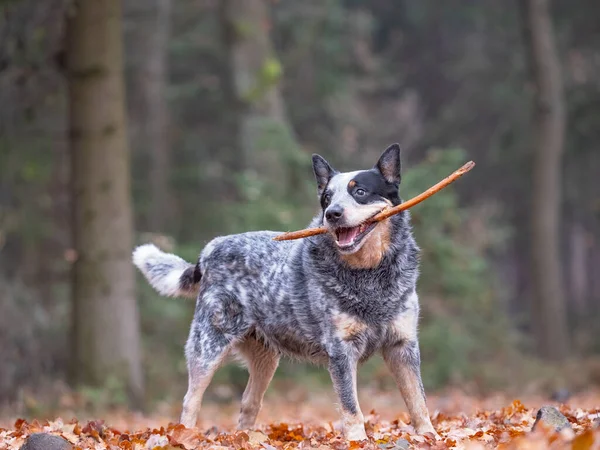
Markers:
point(361, 228)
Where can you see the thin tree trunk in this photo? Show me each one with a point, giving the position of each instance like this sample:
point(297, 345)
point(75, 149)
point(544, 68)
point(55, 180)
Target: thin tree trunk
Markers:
point(549, 315)
point(106, 336)
point(266, 137)
point(231, 155)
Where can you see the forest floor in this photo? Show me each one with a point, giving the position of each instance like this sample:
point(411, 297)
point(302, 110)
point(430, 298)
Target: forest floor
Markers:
point(298, 419)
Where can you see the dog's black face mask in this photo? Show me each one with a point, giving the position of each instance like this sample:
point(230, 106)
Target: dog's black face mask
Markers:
point(348, 199)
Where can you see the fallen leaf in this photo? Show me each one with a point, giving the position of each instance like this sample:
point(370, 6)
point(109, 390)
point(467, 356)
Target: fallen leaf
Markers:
point(583, 441)
point(256, 437)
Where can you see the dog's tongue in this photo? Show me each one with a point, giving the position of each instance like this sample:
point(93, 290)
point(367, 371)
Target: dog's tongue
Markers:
point(346, 235)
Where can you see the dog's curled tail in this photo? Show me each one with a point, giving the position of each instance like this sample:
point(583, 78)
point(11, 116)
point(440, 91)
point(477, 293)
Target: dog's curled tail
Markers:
point(170, 275)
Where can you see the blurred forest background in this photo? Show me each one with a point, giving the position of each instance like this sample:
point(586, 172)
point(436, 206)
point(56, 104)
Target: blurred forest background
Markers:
point(174, 122)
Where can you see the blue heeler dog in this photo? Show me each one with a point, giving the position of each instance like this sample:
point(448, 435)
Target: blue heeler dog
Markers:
point(334, 299)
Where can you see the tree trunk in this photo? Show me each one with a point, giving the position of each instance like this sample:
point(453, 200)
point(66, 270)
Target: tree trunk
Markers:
point(106, 336)
point(266, 138)
point(549, 315)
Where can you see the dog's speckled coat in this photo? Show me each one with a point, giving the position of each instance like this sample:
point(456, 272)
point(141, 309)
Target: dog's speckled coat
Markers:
point(261, 299)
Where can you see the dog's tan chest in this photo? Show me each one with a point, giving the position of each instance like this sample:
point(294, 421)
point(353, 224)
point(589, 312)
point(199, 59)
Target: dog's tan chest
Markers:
point(402, 328)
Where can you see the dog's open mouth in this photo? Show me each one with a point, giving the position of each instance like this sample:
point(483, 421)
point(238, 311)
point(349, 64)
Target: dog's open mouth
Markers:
point(349, 238)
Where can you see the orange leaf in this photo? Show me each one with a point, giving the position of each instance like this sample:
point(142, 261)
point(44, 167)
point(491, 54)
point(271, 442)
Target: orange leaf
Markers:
point(583, 441)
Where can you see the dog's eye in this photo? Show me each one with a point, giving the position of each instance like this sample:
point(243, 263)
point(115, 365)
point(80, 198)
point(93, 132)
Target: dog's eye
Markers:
point(326, 200)
point(360, 192)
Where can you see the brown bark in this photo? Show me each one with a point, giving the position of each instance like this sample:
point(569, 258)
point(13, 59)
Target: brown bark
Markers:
point(388, 212)
point(106, 336)
point(549, 315)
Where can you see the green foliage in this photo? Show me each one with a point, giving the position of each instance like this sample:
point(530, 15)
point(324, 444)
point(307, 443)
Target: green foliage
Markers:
point(27, 174)
point(282, 201)
point(262, 207)
point(463, 323)
point(111, 394)
point(268, 76)
point(446, 349)
point(35, 341)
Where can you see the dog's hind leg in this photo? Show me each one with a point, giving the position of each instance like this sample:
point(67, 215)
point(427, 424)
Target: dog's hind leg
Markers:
point(201, 368)
point(262, 363)
point(404, 362)
point(218, 323)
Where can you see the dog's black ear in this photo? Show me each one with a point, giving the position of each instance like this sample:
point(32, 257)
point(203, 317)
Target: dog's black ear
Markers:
point(323, 172)
point(389, 164)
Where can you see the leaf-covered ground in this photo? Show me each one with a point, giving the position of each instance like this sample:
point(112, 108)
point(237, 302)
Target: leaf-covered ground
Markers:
point(461, 421)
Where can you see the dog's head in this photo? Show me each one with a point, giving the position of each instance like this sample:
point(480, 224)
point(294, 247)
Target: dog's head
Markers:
point(349, 199)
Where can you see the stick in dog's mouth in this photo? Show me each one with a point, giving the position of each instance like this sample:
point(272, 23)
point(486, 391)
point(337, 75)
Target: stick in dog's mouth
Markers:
point(388, 212)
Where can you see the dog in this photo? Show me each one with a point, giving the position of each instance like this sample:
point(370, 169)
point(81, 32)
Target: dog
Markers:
point(334, 299)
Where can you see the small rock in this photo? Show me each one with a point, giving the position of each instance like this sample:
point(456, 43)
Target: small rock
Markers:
point(552, 417)
point(45, 441)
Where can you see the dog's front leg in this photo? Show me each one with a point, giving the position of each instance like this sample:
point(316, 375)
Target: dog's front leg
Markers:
point(342, 368)
point(404, 362)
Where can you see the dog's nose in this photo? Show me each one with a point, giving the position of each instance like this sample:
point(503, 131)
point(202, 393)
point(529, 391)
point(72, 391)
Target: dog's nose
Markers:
point(334, 213)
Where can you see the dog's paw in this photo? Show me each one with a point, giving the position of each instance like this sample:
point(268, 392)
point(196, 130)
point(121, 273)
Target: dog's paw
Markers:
point(428, 430)
point(356, 432)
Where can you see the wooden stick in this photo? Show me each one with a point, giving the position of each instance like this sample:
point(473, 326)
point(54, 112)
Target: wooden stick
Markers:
point(388, 212)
